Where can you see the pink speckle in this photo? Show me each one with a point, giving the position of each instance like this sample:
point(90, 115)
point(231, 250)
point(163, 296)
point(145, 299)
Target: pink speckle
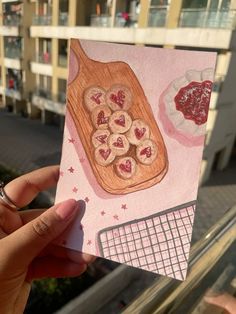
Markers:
point(103, 213)
point(116, 217)
point(124, 206)
point(75, 190)
point(86, 199)
point(71, 170)
point(82, 159)
point(61, 173)
point(89, 242)
point(71, 140)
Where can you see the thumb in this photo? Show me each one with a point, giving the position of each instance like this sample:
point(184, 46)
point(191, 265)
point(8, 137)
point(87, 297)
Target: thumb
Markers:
point(27, 242)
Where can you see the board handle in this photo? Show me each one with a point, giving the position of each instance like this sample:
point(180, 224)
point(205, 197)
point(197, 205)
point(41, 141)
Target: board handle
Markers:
point(83, 59)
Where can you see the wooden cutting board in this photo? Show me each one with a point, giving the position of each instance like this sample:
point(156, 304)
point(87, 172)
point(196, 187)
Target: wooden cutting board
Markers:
point(92, 73)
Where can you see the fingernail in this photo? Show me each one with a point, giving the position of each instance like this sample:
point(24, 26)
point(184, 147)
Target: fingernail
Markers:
point(66, 209)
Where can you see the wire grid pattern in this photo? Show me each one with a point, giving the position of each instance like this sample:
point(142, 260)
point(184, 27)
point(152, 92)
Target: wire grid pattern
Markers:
point(159, 243)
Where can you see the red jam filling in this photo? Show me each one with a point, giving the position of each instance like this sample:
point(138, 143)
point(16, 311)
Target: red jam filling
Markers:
point(105, 153)
point(126, 167)
point(120, 121)
point(193, 101)
point(101, 138)
point(146, 151)
point(101, 119)
point(139, 133)
point(96, 98)
point(118, 99)
point(119, 143)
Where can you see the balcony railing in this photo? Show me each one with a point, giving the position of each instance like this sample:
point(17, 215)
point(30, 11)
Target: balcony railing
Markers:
point(47, 94)
point(102, 20)
point(157, 16)
point(63, 18)
point(13, 53)
point(11, 20)
point(42, 20)
point(208, 18)
point(62, 61)
point(44, 57)
point(43, 92)
point(61, 97)
point(13, 93)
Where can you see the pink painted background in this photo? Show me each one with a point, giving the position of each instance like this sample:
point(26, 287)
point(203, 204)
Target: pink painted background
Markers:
point(155, 70)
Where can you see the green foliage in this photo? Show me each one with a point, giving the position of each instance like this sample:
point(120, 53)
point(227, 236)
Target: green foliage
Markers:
point(49, 295)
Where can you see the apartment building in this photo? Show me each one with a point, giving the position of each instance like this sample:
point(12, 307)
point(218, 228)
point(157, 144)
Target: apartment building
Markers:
point(34, 45)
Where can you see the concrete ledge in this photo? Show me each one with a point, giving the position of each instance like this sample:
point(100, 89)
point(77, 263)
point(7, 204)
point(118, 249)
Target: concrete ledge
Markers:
point(103, 291)
point(41, 68)
point(190, 37)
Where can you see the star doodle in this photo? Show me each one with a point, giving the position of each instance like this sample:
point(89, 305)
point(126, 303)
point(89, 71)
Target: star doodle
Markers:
point(124, 206)
point(75, 190)
point(103, 212)
point(116, 217)
point(86, 199)
point(71, 170)
point(89, 242)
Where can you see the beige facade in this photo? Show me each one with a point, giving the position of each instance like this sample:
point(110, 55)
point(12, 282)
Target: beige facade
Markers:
point(41, 57)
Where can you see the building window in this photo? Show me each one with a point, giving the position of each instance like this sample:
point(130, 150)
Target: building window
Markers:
point(63, 12)
point(62, 53)
point(61, 97)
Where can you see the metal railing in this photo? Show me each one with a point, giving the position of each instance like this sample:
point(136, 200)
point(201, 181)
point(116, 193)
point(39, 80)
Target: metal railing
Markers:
point(11, 20)
point(14, 93)
point(44, 57)
point(47, 94)
point(167, 295)
point(62, 61)
point(42, 20)
point(157, 16)
point(12, 53)
point(102, 20)
point(208, 18)
point(61, 97)
point(63, 18)
point(43, 92)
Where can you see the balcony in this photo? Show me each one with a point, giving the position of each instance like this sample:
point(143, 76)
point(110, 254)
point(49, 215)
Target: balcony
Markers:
point(63, 19)
point(11, 20)
point(13, 93)
point(42, 20)
point(44, 57)
point(62, 61)
point(102, 20)
point(42, 64)
point(12, 53)
point(203, 18)
point(157, 16)
point(61, 97)
point(44, 100)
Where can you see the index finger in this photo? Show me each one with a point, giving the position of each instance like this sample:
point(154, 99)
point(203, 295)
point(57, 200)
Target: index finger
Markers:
point(25, 188)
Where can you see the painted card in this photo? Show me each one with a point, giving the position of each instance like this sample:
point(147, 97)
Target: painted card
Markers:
point(133, 142)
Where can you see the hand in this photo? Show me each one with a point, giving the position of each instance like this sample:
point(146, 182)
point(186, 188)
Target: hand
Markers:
point(26, 249)
point(224, 301)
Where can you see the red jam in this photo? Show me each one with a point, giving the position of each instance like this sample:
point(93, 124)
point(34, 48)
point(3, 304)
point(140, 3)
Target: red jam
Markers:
point(193, 101)
point(118, 99)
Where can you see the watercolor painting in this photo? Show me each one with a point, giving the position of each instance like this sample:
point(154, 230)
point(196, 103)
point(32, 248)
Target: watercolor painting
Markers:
point(116, 125)
point(133, 142)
